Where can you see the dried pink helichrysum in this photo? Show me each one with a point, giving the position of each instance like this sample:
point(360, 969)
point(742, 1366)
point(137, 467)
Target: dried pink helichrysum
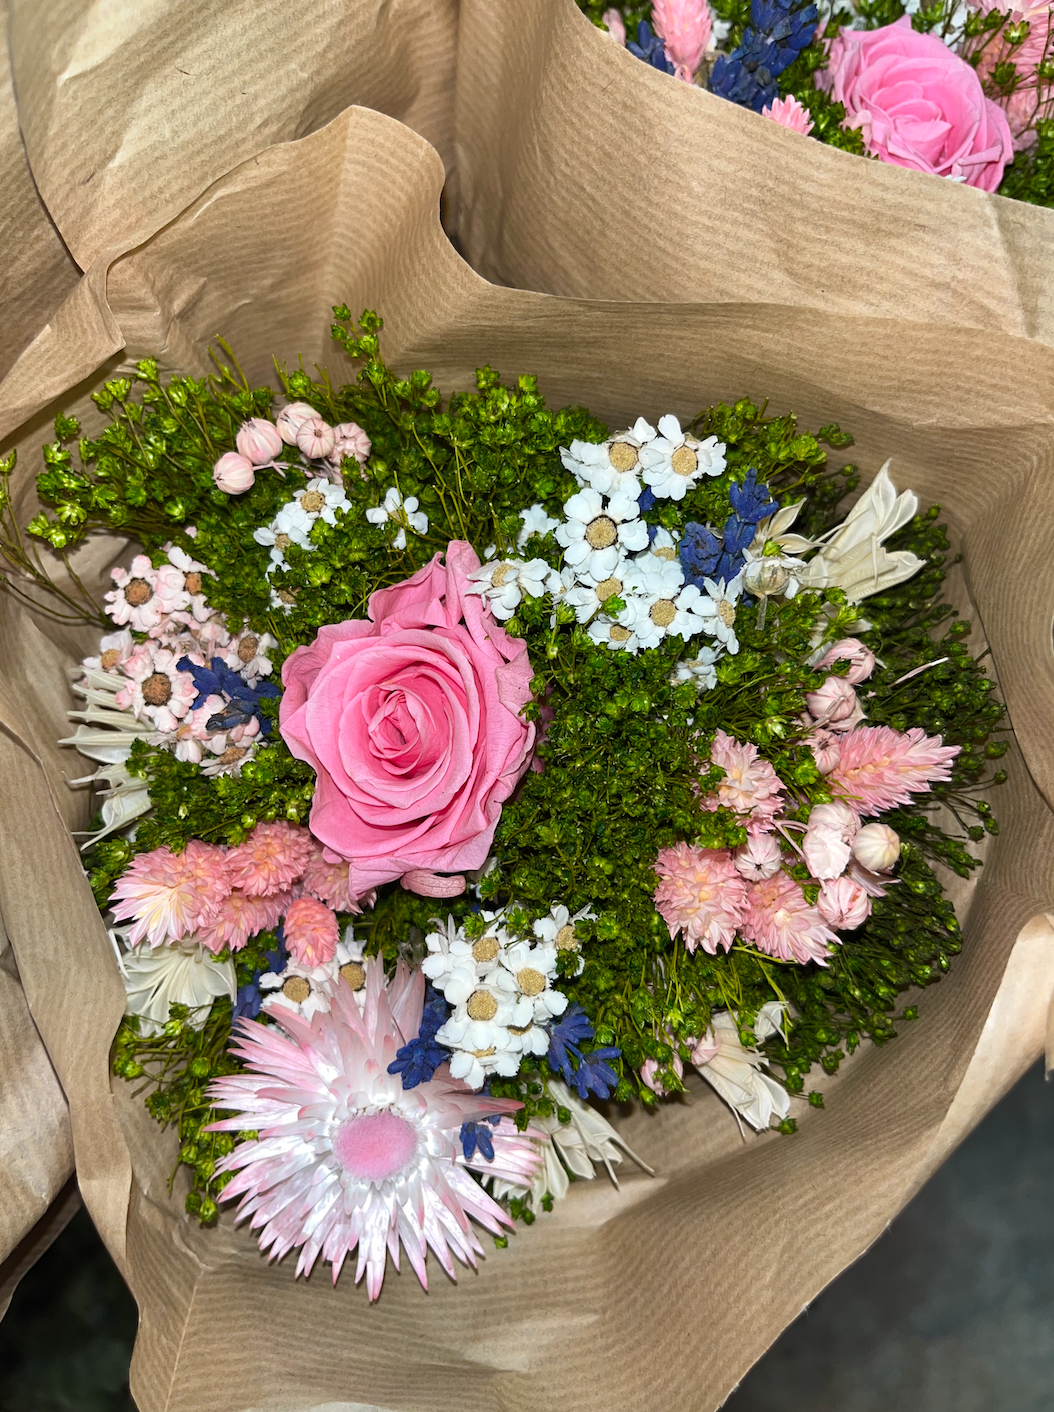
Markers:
point(700, 894)
point(271, 859)
point(170, 894)
point(311, 931)
point(880, 768)
point(780, 922)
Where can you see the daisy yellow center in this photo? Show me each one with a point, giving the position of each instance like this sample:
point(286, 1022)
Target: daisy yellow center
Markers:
point(109, 659)
point(482, 1053)
point(282, 541)
point(137, 592)
point(662, 613)
point(519, 1029)
point(286, 595)
point(530, 981)
point(618, 634)
point(485, 949)
point(726, 612)
point(313, 501)
point(601, 533)
point(375, 1146)
point(296, 989)
point(684, 461)
point(667, 552)
point(622, 455)
point(192, 582)
point(233, 754)
point(157, 690)
point(500, 574)
point(566, 939)
point(248, 648)
point(482, 1005)
point(354, 974)
point(608, 589)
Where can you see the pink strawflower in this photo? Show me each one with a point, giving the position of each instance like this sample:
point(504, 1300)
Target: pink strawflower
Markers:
point(701, 894)
point(330, 881)
point(234, 473)
point(835, 705)
point(271, 859)
point(760, 857)
point(780, 922)
point(751, 788)
point(259, 441)
point(877, 848)
point(789, 113)
point(844, 904)
point(315, 438)
point(684, 27)
point(240, 917)
point(311, 932)
point(170, 894)
point(346, 1158)
point(881, 768)
point(352, 441)
point(825, 852)
point(848, 649)
point(837, 816)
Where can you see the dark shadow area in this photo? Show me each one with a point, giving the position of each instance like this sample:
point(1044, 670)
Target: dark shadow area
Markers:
point(951, 1311)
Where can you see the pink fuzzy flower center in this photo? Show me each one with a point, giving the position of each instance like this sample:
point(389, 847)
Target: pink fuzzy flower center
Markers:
point(375, 1147)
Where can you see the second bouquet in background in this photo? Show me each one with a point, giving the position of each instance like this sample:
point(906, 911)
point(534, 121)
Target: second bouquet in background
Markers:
point(464, 763)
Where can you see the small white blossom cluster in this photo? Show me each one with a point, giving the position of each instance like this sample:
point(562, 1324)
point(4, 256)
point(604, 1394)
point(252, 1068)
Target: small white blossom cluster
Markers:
point(320, 499)
point(405, 513)
point(501, 989)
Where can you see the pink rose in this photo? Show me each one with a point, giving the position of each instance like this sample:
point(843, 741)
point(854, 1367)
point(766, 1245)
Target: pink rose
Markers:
point(917, 104)
point(411, 720)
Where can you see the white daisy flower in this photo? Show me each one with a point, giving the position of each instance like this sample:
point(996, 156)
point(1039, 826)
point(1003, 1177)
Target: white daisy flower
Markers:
point(535, 521)
point(673, 462)
point(404, 512)
point(615, 636)
point(321, 500)
point(283, 599)
point(702, 671)
point(613, 466)
point(662, 549)
point(524, 973)
point(292, 525)
point(478, 1034)
point(653, 616)
point(717, 607)
point(654, 577)
point(586, 596)
point(248, 654)
point(558, 929)
point(456, 965)
point(309, 990)
point(504, 582)
point(595, 533)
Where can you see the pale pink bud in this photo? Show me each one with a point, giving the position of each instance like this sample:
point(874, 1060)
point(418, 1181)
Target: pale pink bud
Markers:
point(834, 705)
point(650, 1067)
point(825, 751)
point(876, 848)
point(705, 1049)
point(290, 419)
point(258, 441)
point(428, 884)
point(759, 858)
point(233, 473)
point(860, 658)
point(826, 853)
point(684, 27)
point(315, 438)
point(843, 904)
point(789, 113)
point(836, 816)
point(351, 441)
point(615, 27)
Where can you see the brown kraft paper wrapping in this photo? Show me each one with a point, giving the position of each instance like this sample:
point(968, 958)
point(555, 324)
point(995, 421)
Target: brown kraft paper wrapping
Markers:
point(663, 1293)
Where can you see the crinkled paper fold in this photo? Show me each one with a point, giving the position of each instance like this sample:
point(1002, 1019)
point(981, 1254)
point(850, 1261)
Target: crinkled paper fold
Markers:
point(664, 1292)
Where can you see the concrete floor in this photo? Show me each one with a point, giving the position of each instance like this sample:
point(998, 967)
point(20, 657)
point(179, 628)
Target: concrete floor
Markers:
point(951, 1311)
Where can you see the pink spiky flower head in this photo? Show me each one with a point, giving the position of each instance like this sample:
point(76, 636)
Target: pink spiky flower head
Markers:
point(780, 922)
point(346, 1157)
point(701, 894)
point(684, 27)
point(170, 894)
point(879, 768)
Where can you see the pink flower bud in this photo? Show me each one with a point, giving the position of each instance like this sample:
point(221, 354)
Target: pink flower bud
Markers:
point(825, 751)
point(291, 418)
point(428, 884)
point(826, 852)
point(615, 27)
point(843, 904)
point(705, 1050)
point(759, 858)
point(351, 441)
point(876, 848)
point(315, 438)
point(837, 816)
point(258, 441)
point(649, 1069)
point(835, 705)
point(233, 473)
point(848, 649)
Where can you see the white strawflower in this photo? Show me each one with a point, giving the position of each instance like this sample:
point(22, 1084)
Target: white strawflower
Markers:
point(504, 583)
point(535, 521)
point(595, 530)
point(612, 466)
point(404, 512)
point(674, 461)
point(181, 973)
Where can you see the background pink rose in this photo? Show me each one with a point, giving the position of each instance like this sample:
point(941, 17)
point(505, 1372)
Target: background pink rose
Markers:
point(918, 104)
point(411, 719)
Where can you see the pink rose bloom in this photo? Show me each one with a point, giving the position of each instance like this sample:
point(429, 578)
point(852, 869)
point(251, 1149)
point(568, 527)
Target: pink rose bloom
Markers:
point(835, 705)
point(918, 104)
point(412, 721)
point(751, 788)
point(848, 649)
point(843, 904)
point(1021, 105)
point(788, 112)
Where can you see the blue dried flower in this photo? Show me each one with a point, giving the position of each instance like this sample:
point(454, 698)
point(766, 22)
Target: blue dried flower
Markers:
point(477, 1134)
point(243, 700)
point(778, 32)
point(593, 1073)
point(752, 502)
point(418, 1060)
point(649, 47)
point(704, 556)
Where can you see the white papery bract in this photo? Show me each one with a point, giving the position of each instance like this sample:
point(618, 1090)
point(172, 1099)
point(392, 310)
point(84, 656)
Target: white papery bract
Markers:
point(182, 973)
point(853, 556)
point(736, 1072)
point(347, 1158)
